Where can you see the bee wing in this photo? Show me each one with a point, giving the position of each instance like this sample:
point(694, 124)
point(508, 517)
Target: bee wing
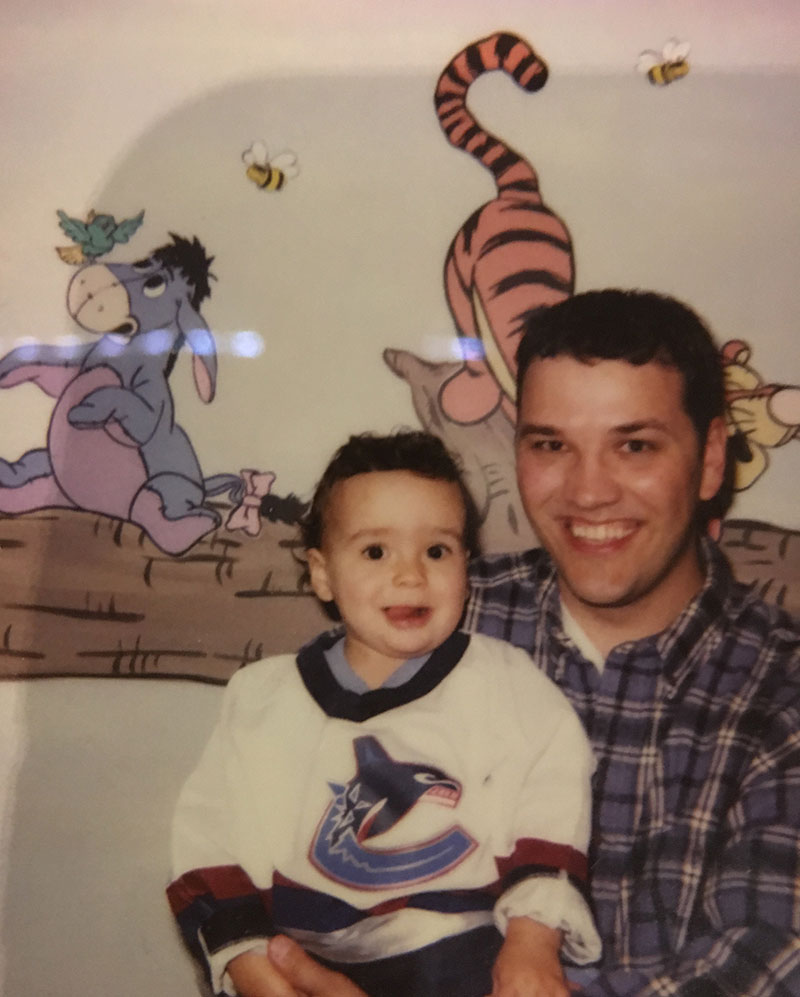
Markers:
point(287, 163)
point(256, 155)
point(647, 60)
point(675, 51)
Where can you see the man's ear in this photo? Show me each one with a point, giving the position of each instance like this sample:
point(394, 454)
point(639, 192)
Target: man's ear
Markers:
point(714, 454)
point(318, 573)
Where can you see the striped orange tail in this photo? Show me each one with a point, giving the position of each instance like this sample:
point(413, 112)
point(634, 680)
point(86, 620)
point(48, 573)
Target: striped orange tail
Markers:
point(499, 51)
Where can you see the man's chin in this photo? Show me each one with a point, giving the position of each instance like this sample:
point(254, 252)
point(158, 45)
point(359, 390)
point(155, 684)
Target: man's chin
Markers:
point(606, 600)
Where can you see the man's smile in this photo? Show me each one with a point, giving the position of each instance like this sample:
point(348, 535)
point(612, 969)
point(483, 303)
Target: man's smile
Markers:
point(600, 533)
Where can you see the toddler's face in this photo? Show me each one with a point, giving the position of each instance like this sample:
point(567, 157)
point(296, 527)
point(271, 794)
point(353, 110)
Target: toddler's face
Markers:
point(393, 560)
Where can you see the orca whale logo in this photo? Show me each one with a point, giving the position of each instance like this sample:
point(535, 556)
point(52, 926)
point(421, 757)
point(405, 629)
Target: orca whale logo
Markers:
point(380, 793)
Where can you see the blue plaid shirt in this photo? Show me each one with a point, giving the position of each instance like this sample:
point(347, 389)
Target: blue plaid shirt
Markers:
point(695, 858)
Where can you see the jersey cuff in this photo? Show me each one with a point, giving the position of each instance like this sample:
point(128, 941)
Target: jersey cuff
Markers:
point(555, 902)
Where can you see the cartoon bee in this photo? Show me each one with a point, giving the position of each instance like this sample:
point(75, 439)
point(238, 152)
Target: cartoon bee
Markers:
point(671, 65)
point(266, 173)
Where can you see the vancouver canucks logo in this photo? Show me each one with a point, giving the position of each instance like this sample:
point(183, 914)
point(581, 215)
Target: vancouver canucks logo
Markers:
point(380, 793)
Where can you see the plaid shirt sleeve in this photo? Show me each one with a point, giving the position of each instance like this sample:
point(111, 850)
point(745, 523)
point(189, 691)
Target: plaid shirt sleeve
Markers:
point(696, 841)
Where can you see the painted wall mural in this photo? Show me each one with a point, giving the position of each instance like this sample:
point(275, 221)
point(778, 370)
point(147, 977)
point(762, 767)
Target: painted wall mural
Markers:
point(113, 445)
point(760, 415)
point(125, 555)
point(513, 256)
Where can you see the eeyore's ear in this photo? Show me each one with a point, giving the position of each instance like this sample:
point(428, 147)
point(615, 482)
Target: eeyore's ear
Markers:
point(201, 343)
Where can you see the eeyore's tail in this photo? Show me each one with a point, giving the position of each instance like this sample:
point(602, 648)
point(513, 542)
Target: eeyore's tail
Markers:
point(250, 493)
point(218, 484)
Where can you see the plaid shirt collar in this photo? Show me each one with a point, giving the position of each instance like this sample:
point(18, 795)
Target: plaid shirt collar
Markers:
point(688, 640)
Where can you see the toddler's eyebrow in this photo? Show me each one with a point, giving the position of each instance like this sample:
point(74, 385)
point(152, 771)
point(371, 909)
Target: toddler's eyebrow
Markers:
point(378, 532)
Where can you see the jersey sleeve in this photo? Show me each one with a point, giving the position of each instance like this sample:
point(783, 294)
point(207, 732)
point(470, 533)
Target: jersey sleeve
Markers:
point(544, 874)
point(219, 909)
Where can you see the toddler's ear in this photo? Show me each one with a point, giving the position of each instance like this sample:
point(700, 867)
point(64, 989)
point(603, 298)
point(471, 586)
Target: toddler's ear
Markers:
point(318, 573)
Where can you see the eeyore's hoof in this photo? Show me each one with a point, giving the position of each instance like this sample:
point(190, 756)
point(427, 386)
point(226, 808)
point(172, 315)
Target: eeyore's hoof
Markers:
point(173, 536)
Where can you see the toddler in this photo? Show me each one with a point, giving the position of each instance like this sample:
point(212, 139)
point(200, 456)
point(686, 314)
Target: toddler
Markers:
point(408, 802)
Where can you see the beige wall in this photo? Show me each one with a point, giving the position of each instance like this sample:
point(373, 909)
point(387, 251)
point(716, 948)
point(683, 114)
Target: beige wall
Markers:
point(691, 189)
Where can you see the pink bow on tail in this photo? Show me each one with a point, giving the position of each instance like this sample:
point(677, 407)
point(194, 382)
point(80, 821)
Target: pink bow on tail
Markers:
point(246, 516)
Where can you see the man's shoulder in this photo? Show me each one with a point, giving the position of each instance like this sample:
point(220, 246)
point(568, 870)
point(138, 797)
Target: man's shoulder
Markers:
point(508, 593)
point(745, 610)
point(739, 607)
point(760, 642)
point(530, 566)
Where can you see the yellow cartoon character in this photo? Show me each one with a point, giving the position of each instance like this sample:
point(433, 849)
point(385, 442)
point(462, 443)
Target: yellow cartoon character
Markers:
point(759, 415)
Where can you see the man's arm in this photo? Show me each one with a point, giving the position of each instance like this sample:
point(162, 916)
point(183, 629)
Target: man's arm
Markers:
point(750, 945)
point(253, 975)
point(528, 964)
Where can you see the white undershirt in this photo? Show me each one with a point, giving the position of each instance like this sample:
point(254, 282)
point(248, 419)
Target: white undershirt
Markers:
point(577, 635)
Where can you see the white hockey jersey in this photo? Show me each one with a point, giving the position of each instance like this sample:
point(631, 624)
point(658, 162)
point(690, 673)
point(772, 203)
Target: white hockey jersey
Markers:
point(372, 827)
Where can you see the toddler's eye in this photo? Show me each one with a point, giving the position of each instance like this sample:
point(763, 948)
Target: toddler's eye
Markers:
point(374, 552)
point(436, 551)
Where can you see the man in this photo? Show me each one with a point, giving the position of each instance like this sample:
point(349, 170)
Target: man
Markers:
point(688, 685)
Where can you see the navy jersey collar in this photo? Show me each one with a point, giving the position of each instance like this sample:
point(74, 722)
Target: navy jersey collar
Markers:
point(347, 705)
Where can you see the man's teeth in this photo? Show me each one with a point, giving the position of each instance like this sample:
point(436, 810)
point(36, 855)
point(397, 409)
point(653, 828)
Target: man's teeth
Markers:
point(600, 532)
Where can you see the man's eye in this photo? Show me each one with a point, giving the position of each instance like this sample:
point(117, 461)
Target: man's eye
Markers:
point(437, 551)
point(374, 552)
point(637, 446)
point(547, 445)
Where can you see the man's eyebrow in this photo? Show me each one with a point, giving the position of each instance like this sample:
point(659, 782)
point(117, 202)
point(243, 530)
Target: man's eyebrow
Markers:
point(536, 429)
point(641, 424)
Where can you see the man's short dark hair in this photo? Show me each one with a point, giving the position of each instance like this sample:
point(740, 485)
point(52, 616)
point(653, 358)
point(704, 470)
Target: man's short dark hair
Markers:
point(418, 452)
point(637, 326)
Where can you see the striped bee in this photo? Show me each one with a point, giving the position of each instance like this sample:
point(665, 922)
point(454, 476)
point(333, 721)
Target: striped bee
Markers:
point(667, 67)
point(266, 173)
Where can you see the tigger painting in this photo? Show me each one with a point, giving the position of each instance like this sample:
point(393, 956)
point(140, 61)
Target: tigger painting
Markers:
point(513, 256)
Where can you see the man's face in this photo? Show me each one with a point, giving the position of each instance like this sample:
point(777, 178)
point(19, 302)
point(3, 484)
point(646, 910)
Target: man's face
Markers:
point(610, 471)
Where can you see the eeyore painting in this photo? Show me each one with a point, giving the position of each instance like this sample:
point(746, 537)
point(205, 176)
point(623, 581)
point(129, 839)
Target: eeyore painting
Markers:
point(113, 446)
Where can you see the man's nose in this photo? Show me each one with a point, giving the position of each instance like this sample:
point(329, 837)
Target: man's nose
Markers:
point(591, 481)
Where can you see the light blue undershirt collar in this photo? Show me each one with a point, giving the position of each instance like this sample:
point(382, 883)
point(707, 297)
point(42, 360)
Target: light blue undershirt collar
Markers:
point(347, 678)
